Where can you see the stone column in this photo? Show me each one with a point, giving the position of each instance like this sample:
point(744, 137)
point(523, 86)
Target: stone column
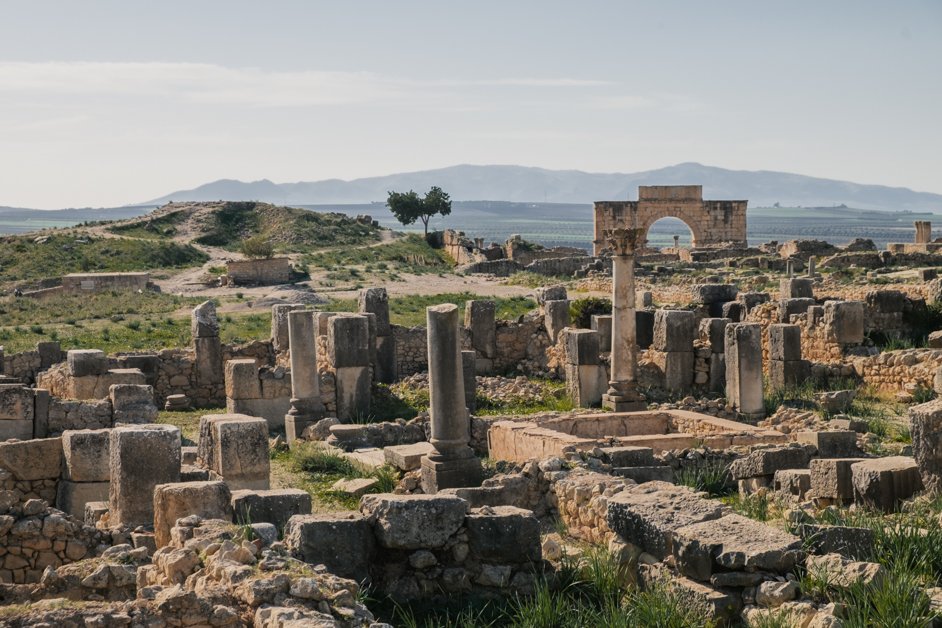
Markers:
point(923, 231)
point(383, 353)
point(744, 369)
point(811, 263)
point(306, 403)
point(623, 394)
point(452, 464)
point(204, 328)
point(280, 339)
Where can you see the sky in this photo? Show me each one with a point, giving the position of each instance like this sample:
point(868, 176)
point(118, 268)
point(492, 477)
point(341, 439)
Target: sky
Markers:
point(104, 103)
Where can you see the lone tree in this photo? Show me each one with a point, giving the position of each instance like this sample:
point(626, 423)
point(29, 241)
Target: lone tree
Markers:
point(407, 207)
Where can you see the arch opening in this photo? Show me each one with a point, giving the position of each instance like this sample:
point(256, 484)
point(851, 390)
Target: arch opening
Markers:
point(670, 232)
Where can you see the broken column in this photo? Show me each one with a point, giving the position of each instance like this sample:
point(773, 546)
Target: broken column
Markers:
point(141, 457)
point(375, 301)
point(452, 464)
point(480, 319)
point(235, 448)
point(673, 341)
point(786, 368)
point(280, 340)
point(744, 369)
point(811, 262)
point(923, 232)
point(204, 328)
point(348, 339)
point(623, 394)
point(306, 403)
point(585, 374)
point(713, 335)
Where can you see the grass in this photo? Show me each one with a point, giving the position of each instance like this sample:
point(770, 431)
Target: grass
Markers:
point(25, 258)
point(159, 227)
point(529, 279)
point(97, 306)
point(410, 254)
point(188, 421)
point(409, 310)
point(712, 478)
point(315, 470)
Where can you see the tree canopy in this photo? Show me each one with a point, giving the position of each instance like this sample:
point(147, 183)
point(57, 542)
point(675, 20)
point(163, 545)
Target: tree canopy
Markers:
point(408, 207)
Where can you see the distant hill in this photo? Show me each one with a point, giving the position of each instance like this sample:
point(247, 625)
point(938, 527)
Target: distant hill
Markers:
point(523, 184)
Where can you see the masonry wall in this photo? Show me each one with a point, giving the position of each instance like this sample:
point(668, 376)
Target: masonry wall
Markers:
point(83, 283)
point(273, 270)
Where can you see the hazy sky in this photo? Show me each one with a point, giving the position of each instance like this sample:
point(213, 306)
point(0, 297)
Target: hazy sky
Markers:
point(106, 103)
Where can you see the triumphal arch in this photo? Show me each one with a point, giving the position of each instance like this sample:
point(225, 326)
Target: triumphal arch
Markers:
point(710, 222)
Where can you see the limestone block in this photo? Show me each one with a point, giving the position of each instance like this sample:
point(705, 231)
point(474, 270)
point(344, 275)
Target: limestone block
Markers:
point(648, 514)
point(794, 482)
point(16, 429)
point(882, 483)
point(734, 311)
point(831, 443)
point(348, 341)
point(376, 301)
point(925, 422)
point(844, 540)
point(132, 403)
point(72, 497)
point(275, 506)
point(385, 368)
point(768, 461)
point(210, 500)
point(744, 368)
point(480, 319)
point(788, 374)
point(550, 293)
point(712, 331)
point(84, 362)
point(556, 317)
point(203, 321)
point(678, 367)
point(86, 455)
point(343, 542)
point(629, 456)
point(413, 521)
point(142, 456)
point(503, 534)
point(710, 293)
point(788, 307)
point(674, 330)
point(784, 342)
point(469, 369)
point(407, 457)
point(582, 345)
point(845, 320)
point(279, 324)
point(37, 459)
point(240, 451)
point(796, 288)
point(752, 299)
point(41, 412)
point(208, 368)
point(585, 384)
point(640, 475)
point(242, 379)
point(831, 478)
point(717, 376)
point(16, 403)
point(353, 392)
point(602, 323)
point(734, 543)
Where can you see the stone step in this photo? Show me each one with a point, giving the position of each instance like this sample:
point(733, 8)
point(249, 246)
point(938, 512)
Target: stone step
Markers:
point(407, 457)
point(366, 459)
point(629, 456)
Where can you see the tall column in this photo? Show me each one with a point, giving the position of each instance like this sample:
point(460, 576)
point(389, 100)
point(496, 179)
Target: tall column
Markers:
point(306, 403)
point(623, 394)
point(452, 464)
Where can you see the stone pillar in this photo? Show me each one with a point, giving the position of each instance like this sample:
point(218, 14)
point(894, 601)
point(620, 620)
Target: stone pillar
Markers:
point(306, 403)
point(555, 317)
point(141, 457)
point(674, 332)
point(375, 301)
point(585, 374)
point(469, 371)
point(204, 328)
point(676, 242)
point(923, 231)
point(811, 264)
point(280, 339)
point(602, 323)
point(480, 319)
point(623, 394)
point(713, 334)
point(925, 421)
point(744, 369)
point(452, 464)
point(786, 368)
point(348, 339)
point(789, 268)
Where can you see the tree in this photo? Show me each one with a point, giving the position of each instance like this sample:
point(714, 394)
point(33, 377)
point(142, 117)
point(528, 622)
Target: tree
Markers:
point(407, 207)
point(257, 246)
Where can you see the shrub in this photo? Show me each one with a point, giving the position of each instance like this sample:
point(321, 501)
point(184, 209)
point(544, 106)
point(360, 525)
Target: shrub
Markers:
point(257, 247)
point(581, 311)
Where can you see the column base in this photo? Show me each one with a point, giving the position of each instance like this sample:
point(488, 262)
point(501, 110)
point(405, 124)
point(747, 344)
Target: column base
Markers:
point(439, 473)
point(620, 404)
point(295, 424)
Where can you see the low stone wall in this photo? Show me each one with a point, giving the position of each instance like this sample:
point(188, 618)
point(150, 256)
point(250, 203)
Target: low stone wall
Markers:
point(582, 501)
point(559, 266)
point(273, 270)
point(73, 414)
point(81, 283)
point(902, 370)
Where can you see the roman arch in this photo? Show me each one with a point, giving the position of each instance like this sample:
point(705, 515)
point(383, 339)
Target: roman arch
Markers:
point(711, 222)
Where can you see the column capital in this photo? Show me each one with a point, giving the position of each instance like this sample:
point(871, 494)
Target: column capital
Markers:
point(624, 241)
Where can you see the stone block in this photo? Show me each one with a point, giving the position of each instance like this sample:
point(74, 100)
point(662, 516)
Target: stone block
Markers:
point(354, 487)
point(413, 521)
point(132, 403)
point(628, 456)
point(844, 422)
point(407, 457)
point(142, 456)
point(712, 331)
point(209, 500)
point(275, 506)
point(555, 317)
point(16, 404)
point(50, 352)
point(788, 374)
point(734, 543)
point(752, 299)
point(784, 342)
point(846, 541)
point(242, 380)
point(279, 324)
point(585, 384)
point(469, 370)
point(385, 369)
point(41, 413)
point(788, 307)
point(18, 430)
point(203, 321)
point(376, 301)
point(193, 473)
point(882, 483)
point(831, 478)
point(348, 341)
point(831, 443)
point(710, 293)
point(734, 311)
point(678, 370)
point(674, 330)
point(94, 511)
point(550, 293)
point(717, 376)
point(845, 320)
point(644, 328)
point(72, 497)
point(343, 542)
point(793, 482)
point(744, 368)
point(648, 514)
point(83, 362)
point(480, 319)
point(796, 288)
point(602, 323)
point(209, 368)
point(85, 455)
point(714, 607)
point(37, 459)
point(353, 392)
point(768, 461)
point(925, 421)
point(240, 451)
point(640, 475)
point(503, 534)
point(582, 346)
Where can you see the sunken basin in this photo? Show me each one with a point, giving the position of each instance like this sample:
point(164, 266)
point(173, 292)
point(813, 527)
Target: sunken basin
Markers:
point(661, 430)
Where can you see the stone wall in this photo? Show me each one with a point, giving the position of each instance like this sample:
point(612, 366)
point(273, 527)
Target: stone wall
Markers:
point(82, 283)
point(262, 272)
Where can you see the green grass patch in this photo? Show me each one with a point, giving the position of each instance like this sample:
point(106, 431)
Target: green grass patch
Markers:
point(712, 477)
point(188, 421)
point(410, 254)
point(159, 227)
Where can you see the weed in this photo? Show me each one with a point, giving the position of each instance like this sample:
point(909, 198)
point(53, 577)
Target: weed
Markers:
point(712, 477)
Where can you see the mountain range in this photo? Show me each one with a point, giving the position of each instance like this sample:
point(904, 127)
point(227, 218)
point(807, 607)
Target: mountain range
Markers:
point(761, 188)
